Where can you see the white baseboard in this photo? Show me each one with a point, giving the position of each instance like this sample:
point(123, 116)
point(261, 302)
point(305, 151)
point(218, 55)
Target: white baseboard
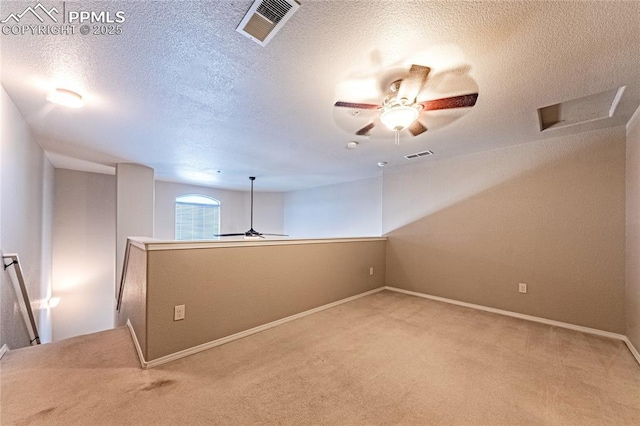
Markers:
point(190, 351)
point(143, 363)
point(203, 347)
point(632, 348)
point(561, 324)
point(515, 315)
point(3, 350)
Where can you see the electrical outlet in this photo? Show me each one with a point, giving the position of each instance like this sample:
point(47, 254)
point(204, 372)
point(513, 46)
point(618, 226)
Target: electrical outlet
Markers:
point(178, 312)
point(371, 271)
point(522, 288)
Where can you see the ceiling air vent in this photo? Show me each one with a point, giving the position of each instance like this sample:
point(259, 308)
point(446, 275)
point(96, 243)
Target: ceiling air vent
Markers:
point(418, 155)
point(265, 18)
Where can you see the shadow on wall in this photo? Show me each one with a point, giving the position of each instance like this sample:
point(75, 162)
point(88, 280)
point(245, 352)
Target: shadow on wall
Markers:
point(559, 227)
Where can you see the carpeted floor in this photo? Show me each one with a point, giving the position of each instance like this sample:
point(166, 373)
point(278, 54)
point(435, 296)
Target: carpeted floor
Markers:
point(387, 358)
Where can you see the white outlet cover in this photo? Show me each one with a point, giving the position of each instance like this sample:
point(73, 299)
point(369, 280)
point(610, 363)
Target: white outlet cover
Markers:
point(178, 312)
point(522, 288)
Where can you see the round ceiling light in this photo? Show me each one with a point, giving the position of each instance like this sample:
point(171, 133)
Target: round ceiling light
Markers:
point(352, 145)
point(65, 97)
point(399, 117)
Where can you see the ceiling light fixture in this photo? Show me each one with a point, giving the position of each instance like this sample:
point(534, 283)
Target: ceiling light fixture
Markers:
point(65, 97)
point(352, 145)
point(382, 163)
point(399, 114)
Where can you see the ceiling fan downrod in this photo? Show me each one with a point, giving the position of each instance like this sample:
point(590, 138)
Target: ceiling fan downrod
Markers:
point(252, 178)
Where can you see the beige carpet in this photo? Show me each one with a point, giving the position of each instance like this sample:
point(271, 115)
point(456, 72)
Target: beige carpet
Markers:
point(384, 359)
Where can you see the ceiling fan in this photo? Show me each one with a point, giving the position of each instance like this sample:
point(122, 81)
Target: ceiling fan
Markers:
point(251, 233)
point(400, 109)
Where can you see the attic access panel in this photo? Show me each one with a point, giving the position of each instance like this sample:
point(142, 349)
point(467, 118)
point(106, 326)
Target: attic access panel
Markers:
point(582, 110)
point(265, 18)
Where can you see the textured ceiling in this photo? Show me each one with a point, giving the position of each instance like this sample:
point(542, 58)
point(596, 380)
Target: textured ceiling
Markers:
point(181, 91)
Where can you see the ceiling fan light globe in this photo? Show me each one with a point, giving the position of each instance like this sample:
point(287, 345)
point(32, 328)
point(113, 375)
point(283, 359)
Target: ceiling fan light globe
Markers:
point(399, 117)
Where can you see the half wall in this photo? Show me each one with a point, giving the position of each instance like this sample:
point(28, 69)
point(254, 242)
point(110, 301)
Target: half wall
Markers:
point(231, 287)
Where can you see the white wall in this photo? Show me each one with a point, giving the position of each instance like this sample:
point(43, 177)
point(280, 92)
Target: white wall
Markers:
point(135, 192)
point(84, 241)
point(234, 210)
point(632, 295)
point(46, 272)
point(26, 185)
point(3, 298)
point(349, 209)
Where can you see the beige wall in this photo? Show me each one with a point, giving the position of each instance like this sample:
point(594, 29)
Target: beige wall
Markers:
point(84, 239)
point(26, 204)
point(228, 290)
point(234, 210)
point(632, 308)
point(550, 214)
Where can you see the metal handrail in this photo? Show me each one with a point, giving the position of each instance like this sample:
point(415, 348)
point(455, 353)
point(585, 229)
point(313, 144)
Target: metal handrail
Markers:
point(25, 296)
point(123, 276)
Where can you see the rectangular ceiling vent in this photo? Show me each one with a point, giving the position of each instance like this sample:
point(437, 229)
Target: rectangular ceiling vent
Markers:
point(418, 155)
point(265, 18)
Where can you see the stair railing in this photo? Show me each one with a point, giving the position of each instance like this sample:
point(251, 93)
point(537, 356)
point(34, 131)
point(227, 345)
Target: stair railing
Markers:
point(27, 312)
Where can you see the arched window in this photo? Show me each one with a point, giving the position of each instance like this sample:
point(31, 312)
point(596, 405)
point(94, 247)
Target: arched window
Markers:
point(197, 217)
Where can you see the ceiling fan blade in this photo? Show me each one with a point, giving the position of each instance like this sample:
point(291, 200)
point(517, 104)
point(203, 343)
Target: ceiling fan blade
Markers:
point(229, 235)
point(356, 105)
point(412, 83)
point(417, 128)
point(452, 102)
point(276, 235)
point(365, 130)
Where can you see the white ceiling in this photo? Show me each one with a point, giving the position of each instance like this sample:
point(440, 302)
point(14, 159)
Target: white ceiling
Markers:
point(181, 91)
